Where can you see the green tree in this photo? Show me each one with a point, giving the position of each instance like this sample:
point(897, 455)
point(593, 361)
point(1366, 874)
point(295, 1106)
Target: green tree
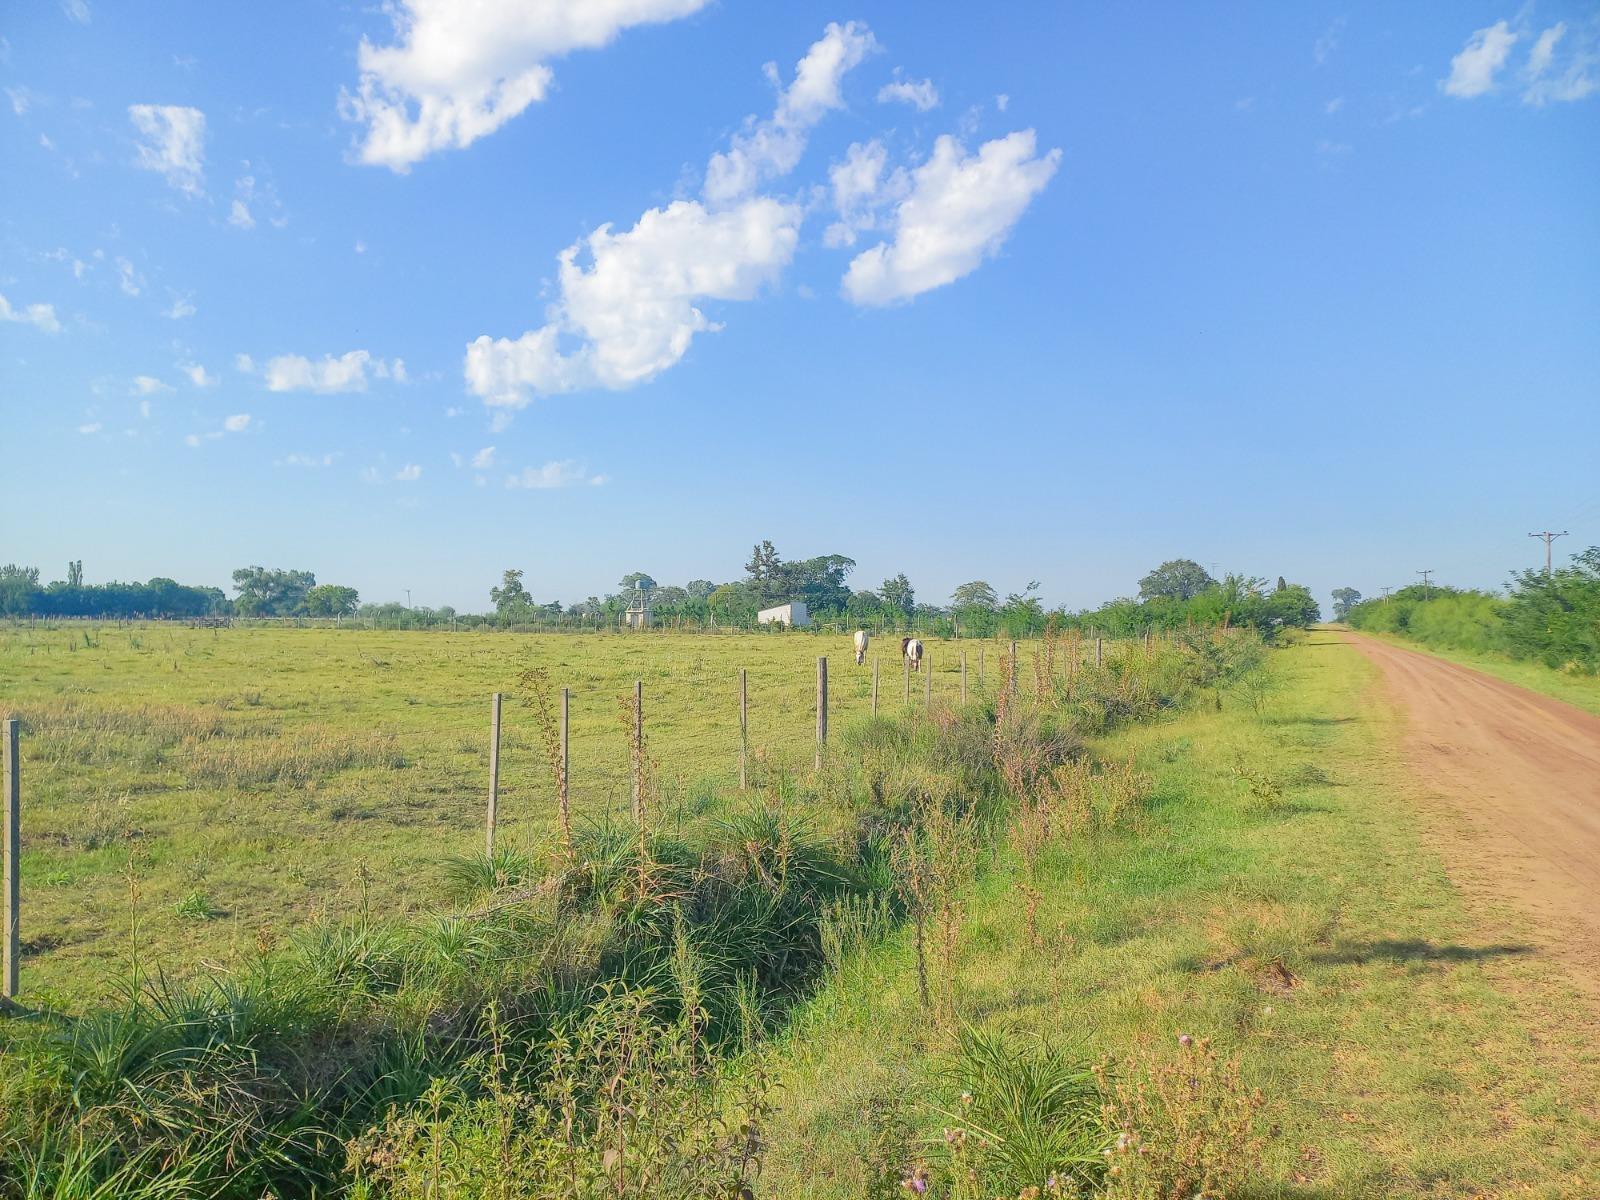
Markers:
point(636, 585)
point(1179, 579)
point(17, 588)
point(976, 594)
point(273, 592)
point(699, 589)
point(75, 573)
point(332, 600)
point(510, 598)
point(899, 595)
point(1344, 599)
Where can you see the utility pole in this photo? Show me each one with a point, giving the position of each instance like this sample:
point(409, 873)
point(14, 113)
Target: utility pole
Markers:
point(408, 597)
point(1386, 592)
point(1548, 537)
point(1427, 584)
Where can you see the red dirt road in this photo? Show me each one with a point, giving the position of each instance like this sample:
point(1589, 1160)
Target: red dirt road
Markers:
point(1522, 772)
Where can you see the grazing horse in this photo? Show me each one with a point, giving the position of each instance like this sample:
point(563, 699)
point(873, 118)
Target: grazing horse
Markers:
point(861, 646)
point(912, 649)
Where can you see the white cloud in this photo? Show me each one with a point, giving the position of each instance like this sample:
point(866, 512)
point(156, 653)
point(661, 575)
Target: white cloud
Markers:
point(347, 373)
point(239, 216)
point(128, 278)
point(40, 316)
point(237, 423)
point(633, 310)
point(1322, 49)
point(250, 196)
point(563, 473)
point(1334, 105)
point(770, 148)
point(198, 375)
point(90, 427)
point(460, 71)
point(959, 211)
point(860, 190)
point(76, 10)
point(21, 97)
point(309, 460)
point(1472, 71)
point(483, 459)
point(244, 364)
point(182, 307)
point(409, 473)
point(144, 409)
point(920, 95)
point(146, 385)
point(1576, 79)
point(174, 143)
point(1002, 102)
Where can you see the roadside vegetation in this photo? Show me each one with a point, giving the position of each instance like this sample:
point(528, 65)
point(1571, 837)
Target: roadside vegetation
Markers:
point(1552, 620)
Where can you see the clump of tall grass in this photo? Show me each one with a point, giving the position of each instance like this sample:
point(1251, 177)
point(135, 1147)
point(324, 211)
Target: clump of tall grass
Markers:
point(305, 756)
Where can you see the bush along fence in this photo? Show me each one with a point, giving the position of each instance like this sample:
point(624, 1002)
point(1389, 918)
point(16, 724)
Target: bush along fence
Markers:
point(565, 1031)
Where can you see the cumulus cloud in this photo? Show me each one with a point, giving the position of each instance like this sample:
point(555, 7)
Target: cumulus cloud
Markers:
point(173, 143)
point(90, 427)
point(1574, 78)
point(77, 10)
point(237, 423)
point(128, 278)
point(860, 190)
point(921, 95)
point(198, 375)
point(252, 195)
point(1472, 71)
point(566, 472)
point(766, 149)
point(630, 303)
point(633, 309)
point(309, 460)
point(182, 307)
point(409, 473)
point(457, 72)
point(146, 385)
point(40, 316)
point(347, 373)
point(959, 211)
point(483, 459)
point(239, 216)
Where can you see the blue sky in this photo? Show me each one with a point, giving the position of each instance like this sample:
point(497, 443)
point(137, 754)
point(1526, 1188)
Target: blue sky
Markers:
point(1046, 292)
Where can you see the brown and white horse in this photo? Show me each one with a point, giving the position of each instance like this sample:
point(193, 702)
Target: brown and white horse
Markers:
point(912, 649)
point(861, 640)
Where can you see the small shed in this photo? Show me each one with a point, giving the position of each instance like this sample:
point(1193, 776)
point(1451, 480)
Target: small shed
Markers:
point(638, 615)
point(792, 615)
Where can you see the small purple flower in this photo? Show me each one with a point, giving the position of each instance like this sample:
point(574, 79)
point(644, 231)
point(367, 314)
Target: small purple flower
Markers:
point(1185, 1040)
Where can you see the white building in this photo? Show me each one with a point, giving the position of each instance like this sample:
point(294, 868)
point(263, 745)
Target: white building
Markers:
point(639, 614)
point(793, 615)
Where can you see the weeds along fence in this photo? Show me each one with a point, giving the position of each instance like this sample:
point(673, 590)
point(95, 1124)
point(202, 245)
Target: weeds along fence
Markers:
point(602, 986)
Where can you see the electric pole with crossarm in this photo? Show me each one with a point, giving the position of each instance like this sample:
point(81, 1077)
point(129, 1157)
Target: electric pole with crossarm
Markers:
point(1548, 537)
point(1427, 584)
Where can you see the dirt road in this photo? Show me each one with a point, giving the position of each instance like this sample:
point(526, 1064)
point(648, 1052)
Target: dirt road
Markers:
point(1522, 772)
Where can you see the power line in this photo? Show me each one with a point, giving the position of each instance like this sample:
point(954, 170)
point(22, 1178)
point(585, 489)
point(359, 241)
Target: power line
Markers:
point(1548, 537)
point(1427, 584)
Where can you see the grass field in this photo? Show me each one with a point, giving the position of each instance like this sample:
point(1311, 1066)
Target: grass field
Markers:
point(249, 780)
point(1278, 899)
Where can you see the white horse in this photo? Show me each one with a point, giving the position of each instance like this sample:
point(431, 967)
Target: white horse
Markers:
point(912, 649)
point(861, 646)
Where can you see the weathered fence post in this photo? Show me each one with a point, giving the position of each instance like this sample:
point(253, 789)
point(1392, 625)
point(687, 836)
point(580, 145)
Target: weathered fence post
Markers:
point(822, 708)
point(1016, 666)
point(494, 776)
point(1099, 652)
point(13, 862)
point(744, 728)
point(874, 686)
point(638, 752)
point(963, 677)
point(563, 788)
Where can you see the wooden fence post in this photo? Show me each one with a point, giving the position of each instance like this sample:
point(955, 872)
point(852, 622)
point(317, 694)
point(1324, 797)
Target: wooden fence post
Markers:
point(822, 708)
point(744, 728)
point(1016, 666)
point(494, 776)
point(13, 863)
point(638, 752)
point(1099, 652)
point(874, 686)
point(563, 789)
point(963, 677)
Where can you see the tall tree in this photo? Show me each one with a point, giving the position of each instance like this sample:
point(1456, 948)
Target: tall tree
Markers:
point(977, 594)
point(1179, 579)
point(898, 594)
point(636, 585)
point(332, 600)
point(510, 597)
point(273, 592)
point(1344, 599)
point(75, 573)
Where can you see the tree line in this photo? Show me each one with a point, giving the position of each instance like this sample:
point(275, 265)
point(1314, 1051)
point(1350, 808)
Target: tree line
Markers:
point(1176, 593)
point(1550, 618)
